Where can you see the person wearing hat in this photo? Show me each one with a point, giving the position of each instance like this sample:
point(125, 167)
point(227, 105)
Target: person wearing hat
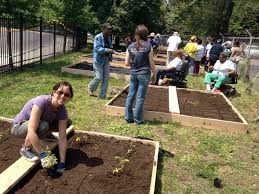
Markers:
point(172, 43)
point(102, 54)
point(191, 48)
point(152, 40)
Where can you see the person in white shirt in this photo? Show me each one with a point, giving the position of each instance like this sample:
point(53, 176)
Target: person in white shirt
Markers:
point(221, 72)
point(198, 56)
point(174, 65)
point(173, 43)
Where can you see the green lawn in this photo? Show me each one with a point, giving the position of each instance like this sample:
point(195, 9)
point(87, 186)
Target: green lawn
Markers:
point(199, 155)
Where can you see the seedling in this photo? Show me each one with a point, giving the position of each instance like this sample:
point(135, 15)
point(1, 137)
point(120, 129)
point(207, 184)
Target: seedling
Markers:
point(122, 162)
point(52, 159)
point(78, 139)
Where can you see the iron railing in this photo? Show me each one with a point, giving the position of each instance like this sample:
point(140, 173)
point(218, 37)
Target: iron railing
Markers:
point(26, 40)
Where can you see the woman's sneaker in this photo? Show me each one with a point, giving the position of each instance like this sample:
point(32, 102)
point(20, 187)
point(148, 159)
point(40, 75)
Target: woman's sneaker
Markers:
point(28, 154)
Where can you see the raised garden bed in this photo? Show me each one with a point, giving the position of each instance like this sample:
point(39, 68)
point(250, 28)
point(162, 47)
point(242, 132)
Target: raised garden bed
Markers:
point(99, 163)
point(191, 108)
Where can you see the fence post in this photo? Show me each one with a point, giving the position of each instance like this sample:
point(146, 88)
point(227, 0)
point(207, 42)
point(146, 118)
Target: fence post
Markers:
point(250, 42)
point(73, 39)
point(9, 42)
point(55, 26)
point(65, 40)
point(21, 42)
point(40, 40)
point(223, 39)
point(249, 57)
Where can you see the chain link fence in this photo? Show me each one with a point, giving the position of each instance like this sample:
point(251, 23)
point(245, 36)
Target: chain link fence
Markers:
point(248, 67)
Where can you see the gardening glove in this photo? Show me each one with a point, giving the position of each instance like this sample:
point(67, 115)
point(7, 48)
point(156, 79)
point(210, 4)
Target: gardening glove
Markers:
point(57, 170)
point(60, 167)
point(48, 160)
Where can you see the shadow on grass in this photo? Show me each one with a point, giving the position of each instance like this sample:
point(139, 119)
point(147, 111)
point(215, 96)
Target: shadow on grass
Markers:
point(160, 169)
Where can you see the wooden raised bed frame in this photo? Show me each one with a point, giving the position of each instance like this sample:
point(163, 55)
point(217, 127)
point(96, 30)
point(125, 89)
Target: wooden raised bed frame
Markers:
point(14, 173)
point(189, 121)
point(89, 60)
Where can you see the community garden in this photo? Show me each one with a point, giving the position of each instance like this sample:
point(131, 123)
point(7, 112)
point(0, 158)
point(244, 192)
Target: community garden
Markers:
point(189, 159)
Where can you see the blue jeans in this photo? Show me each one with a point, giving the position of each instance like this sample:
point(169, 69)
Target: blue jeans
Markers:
point(102, 72)
point(137, 90)
point(191, 65)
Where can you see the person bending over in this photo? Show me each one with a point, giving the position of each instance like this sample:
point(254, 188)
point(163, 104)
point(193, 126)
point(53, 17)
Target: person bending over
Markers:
point(38, 117)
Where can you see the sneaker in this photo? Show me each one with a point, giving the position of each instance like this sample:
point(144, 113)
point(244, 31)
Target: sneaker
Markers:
point(91, 93)
point(51, 137)
point(28, 154)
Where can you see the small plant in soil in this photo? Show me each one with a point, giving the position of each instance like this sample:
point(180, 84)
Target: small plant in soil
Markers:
point(131, 149)
point(53, 159)
point(122, 161)
point(80, 141)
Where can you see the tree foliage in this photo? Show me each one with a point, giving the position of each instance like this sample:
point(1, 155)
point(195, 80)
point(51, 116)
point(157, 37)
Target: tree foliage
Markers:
point(200, 17)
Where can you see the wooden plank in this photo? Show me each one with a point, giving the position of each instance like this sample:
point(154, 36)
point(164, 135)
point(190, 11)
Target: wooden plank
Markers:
point(6, 119)
point(189, 121)
point(148, 142)
point(114, 97)
point(234, 109)
point(173, 100)
point(219, 125)
point(14, 173)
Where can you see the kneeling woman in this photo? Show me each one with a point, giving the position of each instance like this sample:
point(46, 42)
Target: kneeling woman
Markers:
point(35, 120)
point(175, 64)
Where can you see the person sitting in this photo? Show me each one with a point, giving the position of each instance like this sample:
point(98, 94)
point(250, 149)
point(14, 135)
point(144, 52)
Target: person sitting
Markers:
point(221, 72)
point(172, 67)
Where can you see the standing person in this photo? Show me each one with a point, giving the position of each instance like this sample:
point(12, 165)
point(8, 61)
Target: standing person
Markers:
point(191, 48)
point(236, 53)
point(139, 57)
point(215, 50)
point(207, 52)
point(101, 61)
point(38, 117)
point(198, 56)
point(172, 43)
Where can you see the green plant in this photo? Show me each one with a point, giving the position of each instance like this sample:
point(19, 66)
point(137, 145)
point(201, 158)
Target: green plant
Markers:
point(122, 161)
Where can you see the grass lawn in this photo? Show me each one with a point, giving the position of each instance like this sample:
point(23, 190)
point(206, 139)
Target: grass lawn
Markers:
point(198, 155)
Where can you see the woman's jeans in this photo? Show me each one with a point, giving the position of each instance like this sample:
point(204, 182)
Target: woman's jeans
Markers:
point(44, 128)
point(137, 90)
point(102, 72)
point(191, 65)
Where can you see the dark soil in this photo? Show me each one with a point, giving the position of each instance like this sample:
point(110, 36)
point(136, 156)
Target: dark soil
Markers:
point(191, 103)
point(9, 146)
point(156, 100)
point(85, 66)
point(90, 165)
point(206, 105)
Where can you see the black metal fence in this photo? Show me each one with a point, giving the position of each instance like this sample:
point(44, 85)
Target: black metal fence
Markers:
point(26, 40)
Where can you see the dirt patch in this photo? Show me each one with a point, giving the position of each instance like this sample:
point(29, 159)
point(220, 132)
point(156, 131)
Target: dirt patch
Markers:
point(156, 100)
point(91, 168)
point(191, 103)
point(194, 103)
point(86, 66)
point(9, 146)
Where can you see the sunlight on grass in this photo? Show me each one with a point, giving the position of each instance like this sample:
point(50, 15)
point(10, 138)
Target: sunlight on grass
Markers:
point(191, 158)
